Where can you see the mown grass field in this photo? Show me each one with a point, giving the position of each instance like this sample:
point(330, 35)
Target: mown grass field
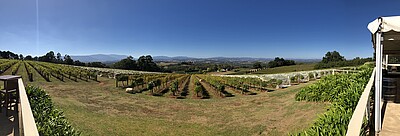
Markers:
point(98, 108)
point(283, 69)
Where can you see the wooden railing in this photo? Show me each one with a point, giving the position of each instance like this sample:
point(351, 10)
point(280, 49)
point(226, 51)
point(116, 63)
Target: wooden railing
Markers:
point(26, 121)
point(362, 110)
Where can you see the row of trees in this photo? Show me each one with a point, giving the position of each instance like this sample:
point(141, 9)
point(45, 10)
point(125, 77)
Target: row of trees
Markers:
point(144, 63)
point(60, 59)
point(334, 59)
point(277, 62)
point(48, 57)
point(9, 55)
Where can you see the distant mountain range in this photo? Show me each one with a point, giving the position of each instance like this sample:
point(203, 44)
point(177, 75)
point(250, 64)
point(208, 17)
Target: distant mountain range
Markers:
point(110, 58)
point(224, 59)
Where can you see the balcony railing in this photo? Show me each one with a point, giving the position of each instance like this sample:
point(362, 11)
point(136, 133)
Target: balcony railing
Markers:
point(27, 125)
point(362, 110)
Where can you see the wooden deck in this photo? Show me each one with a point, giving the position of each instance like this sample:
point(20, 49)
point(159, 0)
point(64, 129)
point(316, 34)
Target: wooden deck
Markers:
point(391, 120)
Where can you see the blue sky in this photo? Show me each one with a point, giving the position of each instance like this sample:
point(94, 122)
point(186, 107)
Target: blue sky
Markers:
point(195, 28)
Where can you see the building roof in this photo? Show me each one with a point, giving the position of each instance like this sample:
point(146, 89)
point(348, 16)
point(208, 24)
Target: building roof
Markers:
point(390, 27)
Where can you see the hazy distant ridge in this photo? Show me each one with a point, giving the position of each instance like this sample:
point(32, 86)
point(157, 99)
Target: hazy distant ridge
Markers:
point(115, 58)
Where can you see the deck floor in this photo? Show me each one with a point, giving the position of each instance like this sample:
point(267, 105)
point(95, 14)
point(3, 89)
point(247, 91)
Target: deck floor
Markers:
point(391, 120)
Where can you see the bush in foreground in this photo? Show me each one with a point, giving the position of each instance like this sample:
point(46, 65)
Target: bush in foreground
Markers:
point(49, 120)
point(343, 91)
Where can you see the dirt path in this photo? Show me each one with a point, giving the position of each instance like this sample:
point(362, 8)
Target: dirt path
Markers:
point(36, 76)
point(22, 71)
point(192, 94)
point(212, 91)
point(232, 91)
point(237, 91)
point(184, 88)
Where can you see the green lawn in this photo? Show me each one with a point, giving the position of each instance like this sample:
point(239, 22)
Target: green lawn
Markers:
point(286, 69)
point(283, 69)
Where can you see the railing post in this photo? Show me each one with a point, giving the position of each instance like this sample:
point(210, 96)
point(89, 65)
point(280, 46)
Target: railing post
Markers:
point(367, 110)
point(378, 80)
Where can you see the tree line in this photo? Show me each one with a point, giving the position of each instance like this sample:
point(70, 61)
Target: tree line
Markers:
point(48, 57)
point(277, 62)
point(334, 59)
point(144, 63)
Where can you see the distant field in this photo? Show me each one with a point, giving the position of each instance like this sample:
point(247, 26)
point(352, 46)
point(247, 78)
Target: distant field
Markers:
point(283, 69)
point(162, 64)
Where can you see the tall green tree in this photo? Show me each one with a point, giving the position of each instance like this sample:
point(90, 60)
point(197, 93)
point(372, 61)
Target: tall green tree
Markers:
point(146, 63)
point(333, 56)
point(29, 57)
point(127, 63)
point(334, 59)
point(8, 55)
point(59, 58)
point(257, 65)
point(68, 60)
point(277, 62)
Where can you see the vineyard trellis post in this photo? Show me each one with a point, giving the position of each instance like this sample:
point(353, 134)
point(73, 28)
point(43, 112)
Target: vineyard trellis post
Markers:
point(116, 82)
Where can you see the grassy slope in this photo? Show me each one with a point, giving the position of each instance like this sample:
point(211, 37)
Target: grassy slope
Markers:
point(101, 109)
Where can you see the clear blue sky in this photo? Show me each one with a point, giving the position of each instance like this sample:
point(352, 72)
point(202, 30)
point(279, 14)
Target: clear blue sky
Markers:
point(195, 28)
